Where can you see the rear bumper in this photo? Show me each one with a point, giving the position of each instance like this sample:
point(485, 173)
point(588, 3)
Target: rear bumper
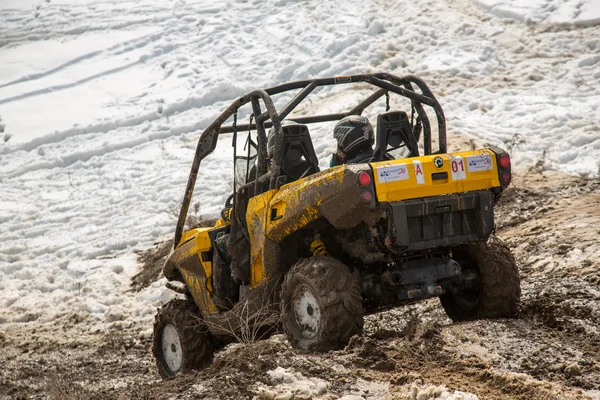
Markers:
point(440, 221)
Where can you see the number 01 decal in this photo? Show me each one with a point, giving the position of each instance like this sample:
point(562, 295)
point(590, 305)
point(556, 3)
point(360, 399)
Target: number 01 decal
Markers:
point(458, 168)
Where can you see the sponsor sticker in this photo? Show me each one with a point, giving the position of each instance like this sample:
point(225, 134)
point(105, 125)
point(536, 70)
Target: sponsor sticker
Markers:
point(482, 162)
point(392, 173)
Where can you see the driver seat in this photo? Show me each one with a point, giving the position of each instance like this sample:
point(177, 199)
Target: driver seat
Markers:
point(299, 159)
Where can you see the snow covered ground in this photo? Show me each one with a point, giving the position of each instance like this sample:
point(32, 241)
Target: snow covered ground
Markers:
point(101, 103)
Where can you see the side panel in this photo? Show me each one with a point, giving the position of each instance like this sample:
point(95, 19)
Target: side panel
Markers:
point(333, 194)
point(187, 258)
point(256, 219)
point(297, 204)
point(435, 175)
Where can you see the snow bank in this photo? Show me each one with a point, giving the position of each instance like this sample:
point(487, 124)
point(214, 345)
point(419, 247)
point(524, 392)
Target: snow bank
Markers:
point(101, 104)
point(577, 13)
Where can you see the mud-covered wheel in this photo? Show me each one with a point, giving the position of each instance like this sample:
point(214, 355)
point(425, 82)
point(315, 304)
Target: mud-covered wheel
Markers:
point(321, 304)
point(489, 286)
point(181, 340)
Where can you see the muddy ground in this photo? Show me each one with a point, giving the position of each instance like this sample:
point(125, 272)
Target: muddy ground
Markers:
point(551, 351)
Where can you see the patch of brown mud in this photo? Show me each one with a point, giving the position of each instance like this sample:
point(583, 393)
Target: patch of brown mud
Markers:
point(239, 370)
point(566, 317)
point(152, 262)
point(41, 362)
point(571, 307)
point(447, 354)
point(532, 196)
point(552, 222)
point(523, 346)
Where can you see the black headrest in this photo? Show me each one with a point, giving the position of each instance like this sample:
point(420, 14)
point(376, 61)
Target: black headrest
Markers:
point(394, 131)
point(299, 158)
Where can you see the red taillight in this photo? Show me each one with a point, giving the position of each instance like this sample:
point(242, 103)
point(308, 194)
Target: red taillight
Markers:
point(367, 196)
point(506, 178)
point(364, 178)
point(504, 161)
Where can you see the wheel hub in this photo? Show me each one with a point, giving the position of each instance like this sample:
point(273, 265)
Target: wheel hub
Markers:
point(468, 291)
point(307, 311)
point(171, 348)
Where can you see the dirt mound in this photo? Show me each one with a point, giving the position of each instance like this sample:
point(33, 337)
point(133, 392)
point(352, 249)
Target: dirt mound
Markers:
point(551, 350)
point(152, 262)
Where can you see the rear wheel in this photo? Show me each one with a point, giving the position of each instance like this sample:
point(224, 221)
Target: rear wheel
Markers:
point(489, 286)
point(321, 304)
point(181, 340)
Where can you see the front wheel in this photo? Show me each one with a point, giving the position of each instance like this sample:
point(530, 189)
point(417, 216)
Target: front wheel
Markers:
point(489, 286)
point(321, 304)
point(181, 340)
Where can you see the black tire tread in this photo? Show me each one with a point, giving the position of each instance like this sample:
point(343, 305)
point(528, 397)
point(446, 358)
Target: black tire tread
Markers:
point(501, 284)
point(340, 298)
point(193, 334)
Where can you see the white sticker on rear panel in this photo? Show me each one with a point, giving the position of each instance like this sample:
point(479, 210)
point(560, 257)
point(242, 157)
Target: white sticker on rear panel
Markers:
point(482, 162)
point(419, 172)
point(392, 173)
point(457, 165)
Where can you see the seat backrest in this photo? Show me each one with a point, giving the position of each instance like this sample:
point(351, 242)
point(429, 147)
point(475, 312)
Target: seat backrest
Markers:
point(394, 131)
point(298, 159)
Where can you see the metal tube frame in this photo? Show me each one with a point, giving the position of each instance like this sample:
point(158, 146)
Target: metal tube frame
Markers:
point(272, 118)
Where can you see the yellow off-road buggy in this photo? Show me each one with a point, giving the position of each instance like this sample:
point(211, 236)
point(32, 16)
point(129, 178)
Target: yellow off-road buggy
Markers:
point(312, 251)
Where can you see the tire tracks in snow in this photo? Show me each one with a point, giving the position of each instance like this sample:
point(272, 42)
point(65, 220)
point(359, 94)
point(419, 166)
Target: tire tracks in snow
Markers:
point(219, 94)
point(116, 49)
point(47, 27)
point(51, 89)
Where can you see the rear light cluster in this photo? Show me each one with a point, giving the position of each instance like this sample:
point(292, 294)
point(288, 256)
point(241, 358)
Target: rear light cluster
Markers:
point(364, 178)
point(366, 195)
point(365, 181)
point(504, 169)
point(504, 161)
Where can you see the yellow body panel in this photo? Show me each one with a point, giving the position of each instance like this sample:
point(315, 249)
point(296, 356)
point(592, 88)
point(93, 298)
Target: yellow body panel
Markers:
point(268, 221)
point(256, 218)
point(413, 177)
point(200, 236)
point(195, 242)
point(292, 196)
point(196, 286)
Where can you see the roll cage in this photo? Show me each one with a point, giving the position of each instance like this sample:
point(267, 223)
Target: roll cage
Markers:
point(385, 83)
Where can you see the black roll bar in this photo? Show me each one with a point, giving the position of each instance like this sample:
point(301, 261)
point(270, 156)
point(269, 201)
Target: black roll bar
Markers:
point(208, 141)
point(271, 118)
